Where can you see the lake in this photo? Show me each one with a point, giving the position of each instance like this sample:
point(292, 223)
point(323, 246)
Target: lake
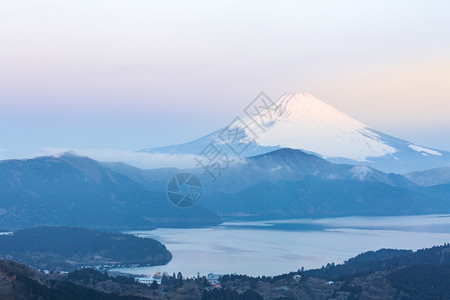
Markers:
point(279, 246)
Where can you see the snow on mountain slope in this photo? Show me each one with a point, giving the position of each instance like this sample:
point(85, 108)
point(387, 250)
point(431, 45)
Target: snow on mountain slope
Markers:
point(424, 151)
point(301, 121)
point(310, 124)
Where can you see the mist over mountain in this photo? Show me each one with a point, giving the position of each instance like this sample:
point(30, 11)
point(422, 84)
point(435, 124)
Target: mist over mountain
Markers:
point(295, 165)
point(301, 121)
point(430, 177)
point(70, 190)
point(289, 183)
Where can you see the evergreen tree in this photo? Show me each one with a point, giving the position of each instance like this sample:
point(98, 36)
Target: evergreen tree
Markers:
point(154, 285)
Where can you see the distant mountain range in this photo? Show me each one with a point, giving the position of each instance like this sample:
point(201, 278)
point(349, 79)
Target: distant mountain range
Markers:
point(289, 183)
point(69, 190)
point(300, 121)
point(430, 177)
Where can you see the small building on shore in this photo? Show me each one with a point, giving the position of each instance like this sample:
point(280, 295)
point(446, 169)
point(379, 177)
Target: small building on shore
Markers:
point(213, 278)
point(148, 280)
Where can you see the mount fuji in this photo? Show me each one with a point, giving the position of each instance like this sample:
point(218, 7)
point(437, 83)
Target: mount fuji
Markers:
point(301, 121)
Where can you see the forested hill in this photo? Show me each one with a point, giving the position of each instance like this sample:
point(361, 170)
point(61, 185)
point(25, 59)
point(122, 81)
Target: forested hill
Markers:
point(70, 190)
point(383, 259)
point(18, 281)
point(383, 274)
point(68, 248)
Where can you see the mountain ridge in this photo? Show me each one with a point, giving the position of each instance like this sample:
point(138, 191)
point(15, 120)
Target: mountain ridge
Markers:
point(289, 183)
point(69, 190)
point(302, 122)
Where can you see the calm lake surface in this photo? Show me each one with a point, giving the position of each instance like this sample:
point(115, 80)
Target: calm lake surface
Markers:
point(280, 246)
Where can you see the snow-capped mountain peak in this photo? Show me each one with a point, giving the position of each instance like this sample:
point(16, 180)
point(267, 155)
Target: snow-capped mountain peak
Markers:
point(304, 122)
point(301, 121)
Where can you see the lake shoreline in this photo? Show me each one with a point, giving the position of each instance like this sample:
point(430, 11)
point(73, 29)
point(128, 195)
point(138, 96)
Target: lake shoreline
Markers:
point(274, 247)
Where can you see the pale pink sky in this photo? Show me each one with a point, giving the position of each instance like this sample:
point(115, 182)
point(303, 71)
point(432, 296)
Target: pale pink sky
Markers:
point(135, 74)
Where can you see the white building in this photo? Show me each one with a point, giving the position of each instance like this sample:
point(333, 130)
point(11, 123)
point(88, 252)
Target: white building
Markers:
point(213, 278)
point(148, 280)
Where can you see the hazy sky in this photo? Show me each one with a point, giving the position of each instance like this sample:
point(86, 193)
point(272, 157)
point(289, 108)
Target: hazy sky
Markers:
point(126, 75)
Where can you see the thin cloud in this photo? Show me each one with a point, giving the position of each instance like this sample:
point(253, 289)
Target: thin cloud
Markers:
point(137, 159)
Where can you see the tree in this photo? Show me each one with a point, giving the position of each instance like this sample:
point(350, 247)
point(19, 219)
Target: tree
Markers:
point(154, 285)
point(180, 279)
point(253, 283)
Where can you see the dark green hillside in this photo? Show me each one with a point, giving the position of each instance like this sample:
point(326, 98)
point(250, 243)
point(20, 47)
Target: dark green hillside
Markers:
point(20, 282)
point(384, 259)
point(65, 248)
